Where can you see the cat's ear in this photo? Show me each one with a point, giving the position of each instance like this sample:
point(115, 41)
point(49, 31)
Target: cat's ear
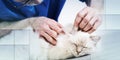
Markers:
point(95, 38)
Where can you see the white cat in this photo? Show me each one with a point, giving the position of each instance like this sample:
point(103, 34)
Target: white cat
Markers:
point(68, 45)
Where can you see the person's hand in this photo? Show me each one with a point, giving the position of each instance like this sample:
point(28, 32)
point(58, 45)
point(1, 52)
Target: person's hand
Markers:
point(87, 20)
point(47, 28)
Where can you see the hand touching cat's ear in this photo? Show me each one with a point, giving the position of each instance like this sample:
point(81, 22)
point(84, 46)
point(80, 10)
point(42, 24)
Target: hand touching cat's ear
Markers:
point(95, 38)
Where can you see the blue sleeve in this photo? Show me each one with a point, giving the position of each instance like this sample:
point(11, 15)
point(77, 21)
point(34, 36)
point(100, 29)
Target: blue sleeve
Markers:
point(55, 8)
point(6, 14)
point(48, 8)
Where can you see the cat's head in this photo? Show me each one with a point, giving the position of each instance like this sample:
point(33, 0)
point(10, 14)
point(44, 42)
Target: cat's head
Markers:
point(29, 2)
point(84, 43)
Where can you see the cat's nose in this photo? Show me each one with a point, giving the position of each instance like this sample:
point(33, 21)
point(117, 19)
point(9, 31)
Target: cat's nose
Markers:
point(79, 50)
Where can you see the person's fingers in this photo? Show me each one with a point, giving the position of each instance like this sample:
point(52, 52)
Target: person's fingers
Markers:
point(96, 25)
point(47, 38)
point(87, 19)
point(56, 28)
point(77, 20)
point(83, 23)
point(92, 30)
point(51, 33)
point(83, 12)
point(59, 25)
point(90, 24)
point(80, 17)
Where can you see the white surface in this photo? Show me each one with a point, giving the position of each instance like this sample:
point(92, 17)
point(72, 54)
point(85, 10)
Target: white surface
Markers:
point(18, 37)
point(112, 6)
point(70, 10)
point(112, 21)
point(6, 52)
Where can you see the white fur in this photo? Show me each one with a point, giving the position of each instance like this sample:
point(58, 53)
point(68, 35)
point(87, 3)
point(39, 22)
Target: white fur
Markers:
point(68, 45)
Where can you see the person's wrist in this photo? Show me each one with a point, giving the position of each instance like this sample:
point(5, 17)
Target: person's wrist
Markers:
point(34, 22)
